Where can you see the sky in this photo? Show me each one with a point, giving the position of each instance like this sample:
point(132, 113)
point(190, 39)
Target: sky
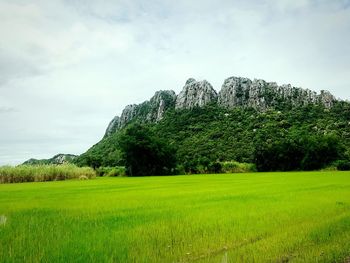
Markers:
point(68, 67)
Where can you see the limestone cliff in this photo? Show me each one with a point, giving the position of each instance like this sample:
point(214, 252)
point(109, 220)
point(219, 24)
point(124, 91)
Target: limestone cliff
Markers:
point(195, 94)
point(235, 92)
point(113, 126)
point(259, 94)
point(148, 111)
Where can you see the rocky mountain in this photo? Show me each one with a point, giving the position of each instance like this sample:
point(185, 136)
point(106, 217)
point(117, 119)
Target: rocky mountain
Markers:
point(57, 159)
point(195, 94)
point(148, 111)
point(239, 123)
point(235, 92)
point(261, 95)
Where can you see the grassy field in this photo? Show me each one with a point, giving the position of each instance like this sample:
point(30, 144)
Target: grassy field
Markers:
point(260, 217)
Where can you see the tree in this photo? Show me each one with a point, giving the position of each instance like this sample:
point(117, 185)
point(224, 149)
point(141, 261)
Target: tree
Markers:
point(144, 153)
point(298, 152)
point(321, 151)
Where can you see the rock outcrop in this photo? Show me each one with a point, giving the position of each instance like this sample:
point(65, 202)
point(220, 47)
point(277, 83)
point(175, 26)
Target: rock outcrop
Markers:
point(235, 92)
point(326, 99)
point(113, 126)
point(148, 111)
point(57, 159)
point(259, 94)
point(195, 94)
point(159, 104)
point(129, 113)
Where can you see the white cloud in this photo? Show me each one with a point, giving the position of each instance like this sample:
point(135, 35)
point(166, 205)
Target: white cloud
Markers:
point(68, 66)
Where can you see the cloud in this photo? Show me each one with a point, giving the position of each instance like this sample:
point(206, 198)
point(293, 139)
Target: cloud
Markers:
point(7, 109)
point(40, 39)
point(69, 66)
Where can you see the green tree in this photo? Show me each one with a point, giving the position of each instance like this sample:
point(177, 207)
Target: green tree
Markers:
point(145, 154)
point(298, 152)
point(321, 151)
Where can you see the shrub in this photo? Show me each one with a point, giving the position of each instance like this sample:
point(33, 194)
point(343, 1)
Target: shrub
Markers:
point(342, 165)
point(236, 167)
point(215, 167)
point(111, 171)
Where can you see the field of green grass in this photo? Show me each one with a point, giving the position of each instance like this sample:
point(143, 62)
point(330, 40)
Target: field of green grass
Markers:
point(259, 217)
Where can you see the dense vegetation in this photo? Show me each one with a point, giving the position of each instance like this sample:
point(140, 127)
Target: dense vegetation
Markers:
point(41, 173)
point(285, 138)
point(261, 217)
point(144, 153)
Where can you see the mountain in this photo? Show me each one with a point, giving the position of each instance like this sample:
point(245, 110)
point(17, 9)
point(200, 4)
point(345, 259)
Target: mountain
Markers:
point(57, 159)
point(207, 126)
point(235, 92)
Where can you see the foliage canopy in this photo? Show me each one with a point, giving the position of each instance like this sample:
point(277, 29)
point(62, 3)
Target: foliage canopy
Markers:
point(284, 138)
point(144, 153)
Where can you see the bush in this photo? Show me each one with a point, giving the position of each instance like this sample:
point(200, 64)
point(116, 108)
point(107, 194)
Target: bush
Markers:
point(111, 171)
point(342, 165)
point(236, 167)
point(41, 173)
point(215, 167)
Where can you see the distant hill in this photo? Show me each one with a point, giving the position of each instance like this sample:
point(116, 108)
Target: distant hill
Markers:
point(206, 126)
point(57, 159)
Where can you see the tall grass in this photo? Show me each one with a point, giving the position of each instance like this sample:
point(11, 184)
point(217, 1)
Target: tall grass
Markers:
point(41, 173)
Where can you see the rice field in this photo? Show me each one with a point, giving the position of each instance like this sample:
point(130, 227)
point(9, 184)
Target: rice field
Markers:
point(258, 217)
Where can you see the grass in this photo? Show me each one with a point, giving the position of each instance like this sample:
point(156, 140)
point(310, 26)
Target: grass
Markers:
point(259, 217)
point(41, 173)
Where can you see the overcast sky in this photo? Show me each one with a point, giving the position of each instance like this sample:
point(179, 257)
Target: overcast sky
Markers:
point(68, 67)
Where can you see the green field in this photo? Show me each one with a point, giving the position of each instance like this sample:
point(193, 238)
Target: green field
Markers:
point(260, 217)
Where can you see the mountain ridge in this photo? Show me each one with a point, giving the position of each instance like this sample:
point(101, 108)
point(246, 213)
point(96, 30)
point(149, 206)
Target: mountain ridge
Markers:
point(235, 92)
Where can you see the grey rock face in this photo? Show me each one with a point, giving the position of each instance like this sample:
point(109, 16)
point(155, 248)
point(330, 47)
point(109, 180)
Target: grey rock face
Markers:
point(159, 104)
point(326, 99)
point(117, 122)
point(259, 94)
point(128, 114)
point(148, 111)
point(57, 159)
point(113, 126)
point(63, 158)
point(195, 94)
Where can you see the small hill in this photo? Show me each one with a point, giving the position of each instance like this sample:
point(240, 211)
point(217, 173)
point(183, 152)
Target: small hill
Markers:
point(57, 159)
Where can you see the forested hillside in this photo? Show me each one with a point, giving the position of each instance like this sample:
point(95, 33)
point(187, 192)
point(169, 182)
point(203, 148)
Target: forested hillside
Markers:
point(284, 138)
